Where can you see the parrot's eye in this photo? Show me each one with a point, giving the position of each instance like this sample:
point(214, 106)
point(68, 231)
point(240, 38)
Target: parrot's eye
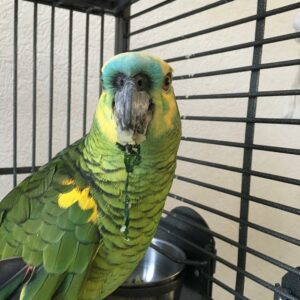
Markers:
point(167, 82)
point(121, 82)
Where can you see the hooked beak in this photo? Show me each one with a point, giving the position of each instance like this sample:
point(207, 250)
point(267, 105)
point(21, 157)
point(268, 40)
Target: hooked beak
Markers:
point(133, 108)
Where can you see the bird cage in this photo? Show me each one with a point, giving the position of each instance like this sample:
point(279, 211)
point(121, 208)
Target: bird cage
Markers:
point(234, 205)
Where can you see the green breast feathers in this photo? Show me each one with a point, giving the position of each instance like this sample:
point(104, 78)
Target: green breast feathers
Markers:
point(78, 227)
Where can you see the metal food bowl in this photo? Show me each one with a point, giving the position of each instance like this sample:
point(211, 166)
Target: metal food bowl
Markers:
point(156, 278)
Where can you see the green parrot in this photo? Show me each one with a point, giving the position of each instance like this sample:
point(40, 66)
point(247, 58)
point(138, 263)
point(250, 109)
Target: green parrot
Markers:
point(78, 227)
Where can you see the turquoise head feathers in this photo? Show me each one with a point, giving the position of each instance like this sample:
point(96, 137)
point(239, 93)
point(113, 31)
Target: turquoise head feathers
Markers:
point(138, 101)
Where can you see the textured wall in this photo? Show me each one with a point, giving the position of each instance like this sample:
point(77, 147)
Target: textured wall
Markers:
point(273, 79)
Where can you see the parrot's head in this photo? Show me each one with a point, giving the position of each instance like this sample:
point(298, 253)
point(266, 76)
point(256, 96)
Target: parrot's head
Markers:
point(137, 102)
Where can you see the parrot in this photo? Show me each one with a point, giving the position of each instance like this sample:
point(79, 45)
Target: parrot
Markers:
point(78, 226)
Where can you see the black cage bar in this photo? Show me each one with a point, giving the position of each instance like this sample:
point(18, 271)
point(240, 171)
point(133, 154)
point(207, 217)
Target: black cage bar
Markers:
point(125, 18)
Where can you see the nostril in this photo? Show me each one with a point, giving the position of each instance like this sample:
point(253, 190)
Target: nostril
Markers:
point(151, 106)
point(140, 83)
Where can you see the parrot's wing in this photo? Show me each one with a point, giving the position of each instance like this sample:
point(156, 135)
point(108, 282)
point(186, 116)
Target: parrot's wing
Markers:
point(49, 221)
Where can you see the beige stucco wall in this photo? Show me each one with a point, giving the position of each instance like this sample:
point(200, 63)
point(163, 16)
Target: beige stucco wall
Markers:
point(273, 79)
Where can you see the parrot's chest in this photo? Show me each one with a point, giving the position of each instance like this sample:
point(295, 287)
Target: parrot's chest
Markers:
point(129, 217)
point(129, 211)
point(130, 206)
point(121, 250)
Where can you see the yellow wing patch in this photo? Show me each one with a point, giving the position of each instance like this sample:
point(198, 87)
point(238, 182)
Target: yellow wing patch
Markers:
point(81, 197)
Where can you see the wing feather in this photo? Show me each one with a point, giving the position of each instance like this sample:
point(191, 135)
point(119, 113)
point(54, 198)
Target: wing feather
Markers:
point(57, 240)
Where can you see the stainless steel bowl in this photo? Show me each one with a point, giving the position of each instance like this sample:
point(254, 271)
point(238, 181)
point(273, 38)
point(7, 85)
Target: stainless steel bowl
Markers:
point(155, 268)
point(156, 277)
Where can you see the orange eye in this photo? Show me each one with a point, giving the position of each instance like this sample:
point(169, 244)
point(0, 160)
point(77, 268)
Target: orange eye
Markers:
point(167, 82)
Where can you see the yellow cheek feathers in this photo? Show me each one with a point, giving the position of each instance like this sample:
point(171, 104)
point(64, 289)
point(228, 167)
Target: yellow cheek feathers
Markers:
point(165, 109)
point(165, 113)
point(172, 110)
point(105, 118)
point(81, 197)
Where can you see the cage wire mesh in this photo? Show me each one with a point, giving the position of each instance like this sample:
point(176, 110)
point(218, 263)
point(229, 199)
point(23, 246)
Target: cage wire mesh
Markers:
point(237, 84)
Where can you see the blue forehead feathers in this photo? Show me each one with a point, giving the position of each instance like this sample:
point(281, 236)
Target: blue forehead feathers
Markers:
point(131, 64)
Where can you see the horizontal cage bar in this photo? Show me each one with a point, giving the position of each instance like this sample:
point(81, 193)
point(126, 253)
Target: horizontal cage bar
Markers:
point(271, 40)
point(19, 170)
point(147, 10)
point(278, 64)
point(242, 120)
point(94, 7)
point(265, 202)
point(243, 145)
point(240, 95)
point(222, 26)
point(224, 286)
point(249, 275)
point(182, 16)
point(257, 227)
point(242, 171)
point(252, 251)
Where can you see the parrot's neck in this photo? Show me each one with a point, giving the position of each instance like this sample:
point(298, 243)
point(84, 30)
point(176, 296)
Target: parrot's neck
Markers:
point(96, 144)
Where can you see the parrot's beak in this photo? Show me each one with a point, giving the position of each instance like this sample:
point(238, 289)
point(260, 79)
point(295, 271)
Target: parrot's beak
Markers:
point(133, 109)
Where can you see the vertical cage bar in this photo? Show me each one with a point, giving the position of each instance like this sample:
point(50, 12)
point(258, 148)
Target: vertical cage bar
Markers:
point(248, 151)
point(122, 31)
point(51, 81)
point(69, 77)
point(34, 85)
point(86, 70)
point(101, 50)
point(15, 93)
